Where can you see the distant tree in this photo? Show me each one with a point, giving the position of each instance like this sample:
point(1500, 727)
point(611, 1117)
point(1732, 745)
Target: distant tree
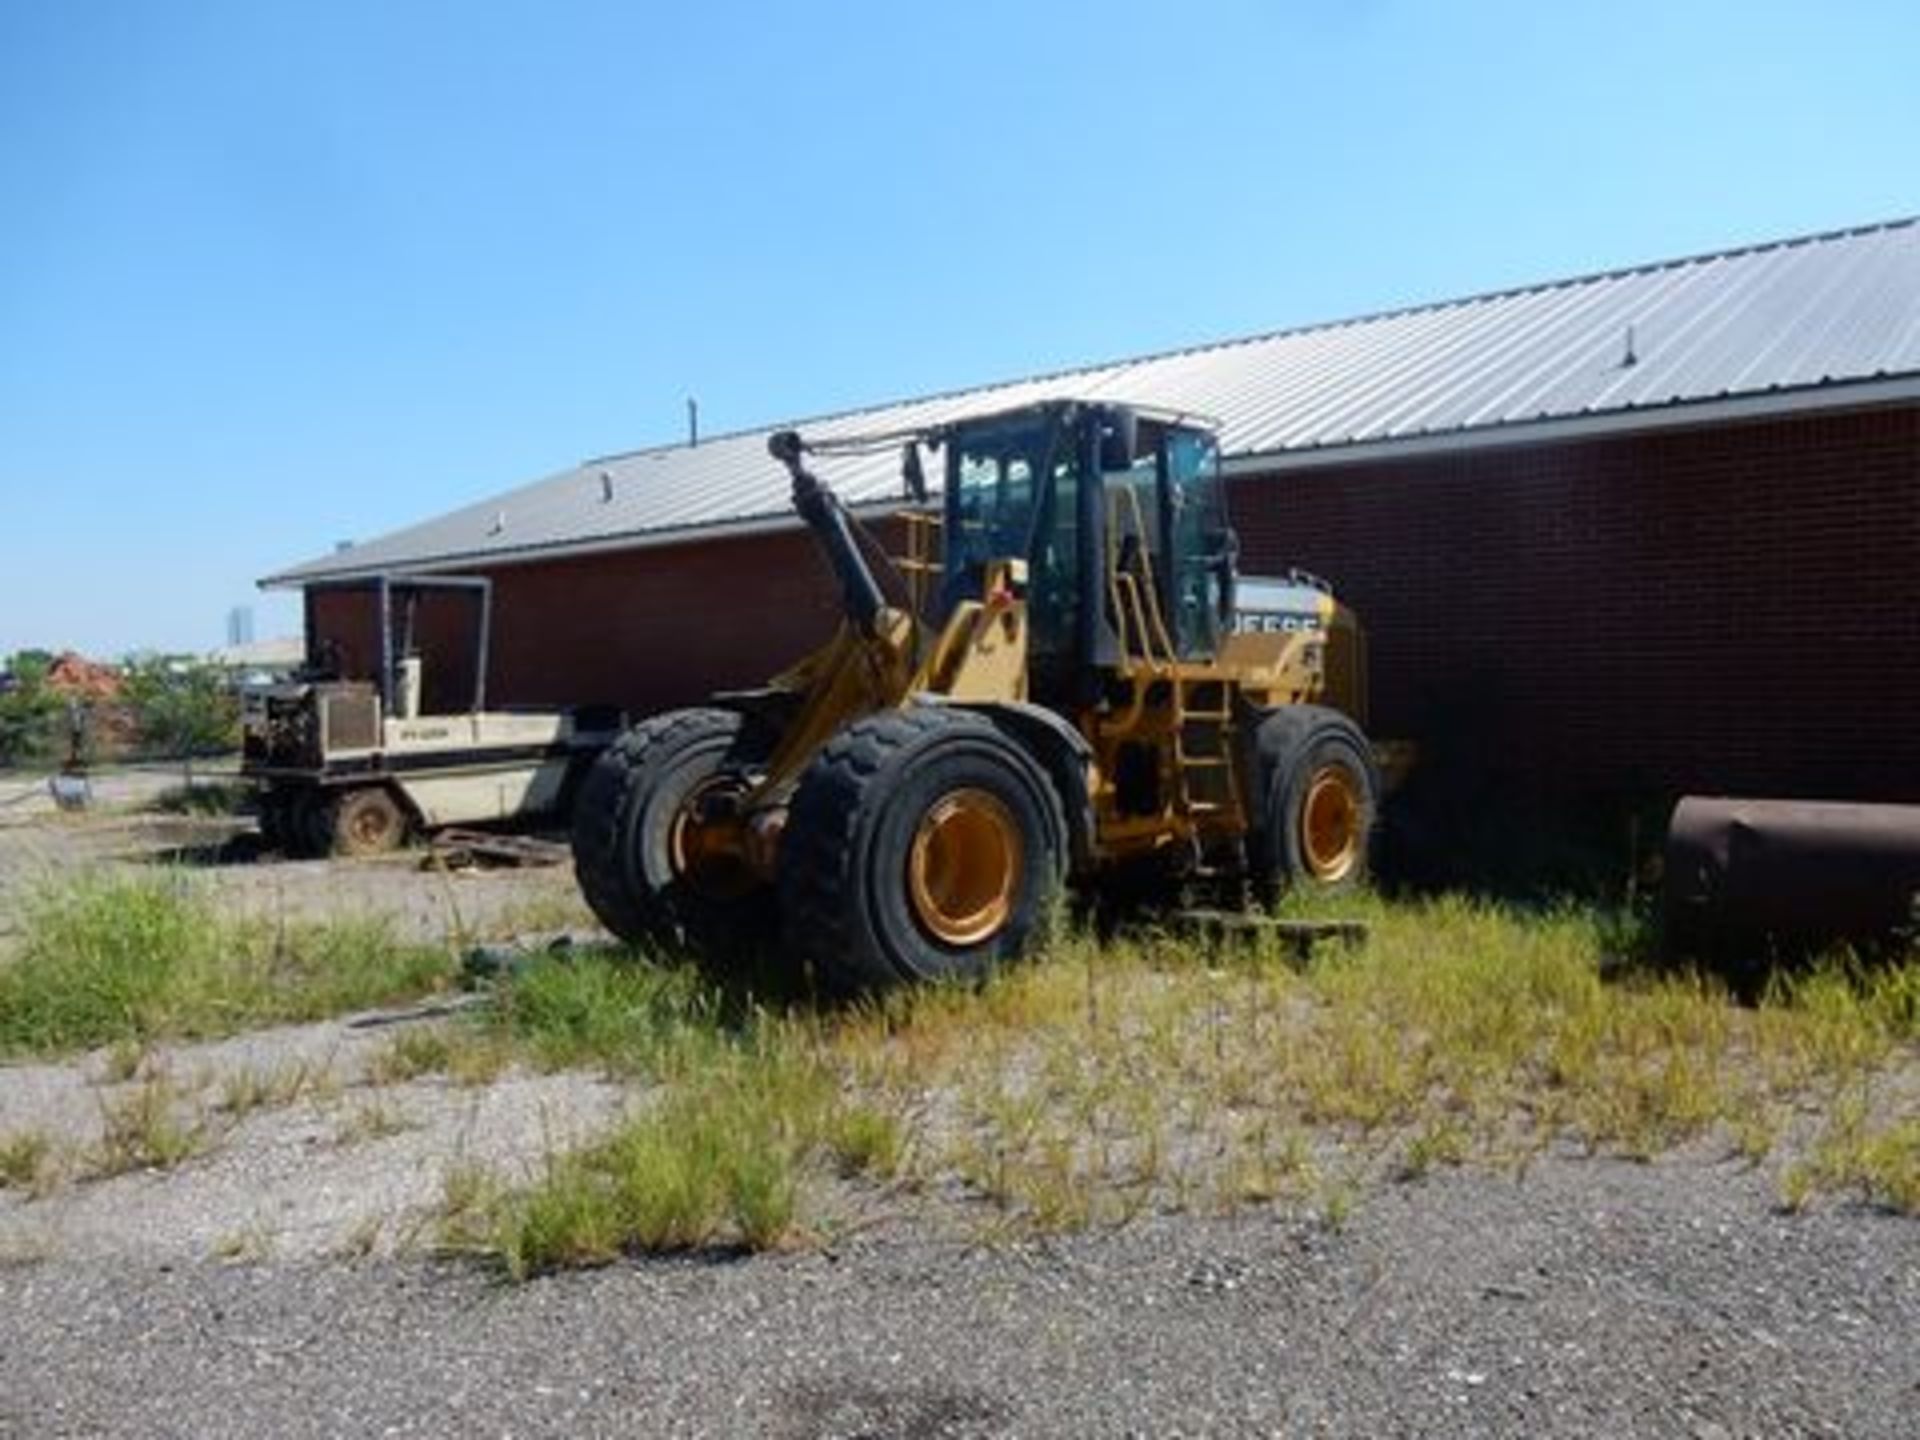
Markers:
point(182, 708)
point(31, 715)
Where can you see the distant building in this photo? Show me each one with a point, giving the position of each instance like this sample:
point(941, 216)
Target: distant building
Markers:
point(74, 676)
point(1653, 529)
point(261, 661)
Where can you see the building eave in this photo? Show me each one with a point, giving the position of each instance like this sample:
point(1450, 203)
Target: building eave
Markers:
point(1834, 396)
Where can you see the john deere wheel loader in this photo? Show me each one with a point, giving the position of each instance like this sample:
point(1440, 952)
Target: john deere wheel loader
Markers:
point(1065, 682)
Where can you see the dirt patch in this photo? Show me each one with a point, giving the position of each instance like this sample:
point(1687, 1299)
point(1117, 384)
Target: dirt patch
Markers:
point(223, 855)
point(289, 1141)
point(297, 1146)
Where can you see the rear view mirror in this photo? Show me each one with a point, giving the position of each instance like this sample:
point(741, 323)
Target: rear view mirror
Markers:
point(1119, 439)
point(913, 473)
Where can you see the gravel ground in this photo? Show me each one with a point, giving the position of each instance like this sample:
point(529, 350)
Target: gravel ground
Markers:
point(348, 1165)
point(1591, 1297)
point(427, 905)
point(26, 795)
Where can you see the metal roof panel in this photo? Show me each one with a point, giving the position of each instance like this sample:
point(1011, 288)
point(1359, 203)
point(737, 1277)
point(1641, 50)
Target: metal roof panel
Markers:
point(1812, 311)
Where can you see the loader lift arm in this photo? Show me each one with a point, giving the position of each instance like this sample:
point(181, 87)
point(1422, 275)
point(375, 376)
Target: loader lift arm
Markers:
point(832, 527)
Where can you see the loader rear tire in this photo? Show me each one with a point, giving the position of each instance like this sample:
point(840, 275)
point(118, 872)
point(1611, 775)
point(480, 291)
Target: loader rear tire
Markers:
point(628, 821)
point(1322, 802)
point(922, 844)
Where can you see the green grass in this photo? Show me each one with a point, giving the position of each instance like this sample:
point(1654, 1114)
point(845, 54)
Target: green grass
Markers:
point(748, 1108)
point(122, 960)
point(373, 1118)
point(411, 1053)
point(1151, 1072)
point(204, 798)
point(251, 1088)
point(598, 1009)
point(1110, 1077)
point(719, 1158)
point(24, 1158)
point(1875, 1160)
point(145, 1129)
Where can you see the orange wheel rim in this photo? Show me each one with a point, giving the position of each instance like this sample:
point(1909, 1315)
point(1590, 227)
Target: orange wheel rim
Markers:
point(964, 868)
point(703, 854)
point(1332, 828)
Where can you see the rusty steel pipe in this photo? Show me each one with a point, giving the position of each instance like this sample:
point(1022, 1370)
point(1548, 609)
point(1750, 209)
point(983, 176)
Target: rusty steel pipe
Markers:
point(1786, 877)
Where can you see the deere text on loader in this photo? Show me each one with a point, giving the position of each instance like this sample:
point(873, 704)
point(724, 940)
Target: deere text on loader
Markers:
point(1064, 682)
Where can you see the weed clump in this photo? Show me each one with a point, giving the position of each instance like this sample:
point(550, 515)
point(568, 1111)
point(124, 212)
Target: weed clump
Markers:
point(98, 958)
point(112, 959)
point(716, 1160)
point(23, 1159)
point(597, 1009)
point(145, 1130)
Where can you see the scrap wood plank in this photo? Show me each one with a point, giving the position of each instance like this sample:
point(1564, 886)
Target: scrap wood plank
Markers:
point(455, 846)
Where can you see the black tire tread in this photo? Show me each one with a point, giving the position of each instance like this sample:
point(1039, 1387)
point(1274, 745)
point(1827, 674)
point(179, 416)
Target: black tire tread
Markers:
point(829, 809)
point(1282, 737)
point(600, 822)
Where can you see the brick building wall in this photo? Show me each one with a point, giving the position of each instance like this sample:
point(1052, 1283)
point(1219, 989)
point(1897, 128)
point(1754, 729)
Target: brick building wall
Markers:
point(1734, 608)
point(650, 629)
point(641, 629)
point(445, 630)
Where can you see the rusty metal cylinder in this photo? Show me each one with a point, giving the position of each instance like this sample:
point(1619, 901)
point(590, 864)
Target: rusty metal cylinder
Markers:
point(1767, 878)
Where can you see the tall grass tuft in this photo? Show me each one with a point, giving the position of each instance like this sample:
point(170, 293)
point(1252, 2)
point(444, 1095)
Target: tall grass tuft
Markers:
point(717, 1160)
point(1147, 1071)
point(112, 958)
point(597, 1008)
point(99, 958)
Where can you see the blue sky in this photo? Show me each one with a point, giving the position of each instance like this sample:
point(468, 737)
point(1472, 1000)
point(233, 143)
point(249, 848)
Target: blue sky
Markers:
point(274, 274)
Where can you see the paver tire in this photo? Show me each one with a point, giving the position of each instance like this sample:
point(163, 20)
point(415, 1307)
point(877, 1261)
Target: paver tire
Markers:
point(366, 820)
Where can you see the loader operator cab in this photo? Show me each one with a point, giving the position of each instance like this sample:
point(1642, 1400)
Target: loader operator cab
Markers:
point(1095, 499)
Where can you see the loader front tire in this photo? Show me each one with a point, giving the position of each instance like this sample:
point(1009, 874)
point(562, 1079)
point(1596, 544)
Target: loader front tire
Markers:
point(922, 844)
point(630, 836)
point(1322, 802)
